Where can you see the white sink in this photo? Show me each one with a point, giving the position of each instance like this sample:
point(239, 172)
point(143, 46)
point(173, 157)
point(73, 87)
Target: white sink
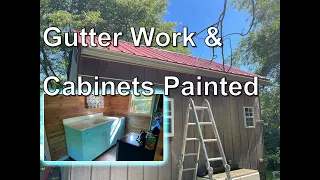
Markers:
point(97, 120)
point(84, 122)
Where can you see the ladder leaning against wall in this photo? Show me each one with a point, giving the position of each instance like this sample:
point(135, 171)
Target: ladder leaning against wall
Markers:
point(201, 145)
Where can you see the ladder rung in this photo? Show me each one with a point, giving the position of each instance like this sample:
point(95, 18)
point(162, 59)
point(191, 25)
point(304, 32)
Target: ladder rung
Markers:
point(209, 140)
point(191, 154)
point(205, 140)
point(192, 139)
point(215, 159)
point(201, 123)
point(189, 169)
point(199, 107)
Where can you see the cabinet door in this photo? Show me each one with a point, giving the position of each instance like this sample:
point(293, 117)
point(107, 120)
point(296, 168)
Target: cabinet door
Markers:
point(88, 145)
point(101, 141)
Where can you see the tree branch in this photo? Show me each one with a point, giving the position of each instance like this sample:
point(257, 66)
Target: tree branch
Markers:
point(47, 63)
point(45, 69)
point(221, 18)
point(220, 23)
point(45, 58)
point(251, 24)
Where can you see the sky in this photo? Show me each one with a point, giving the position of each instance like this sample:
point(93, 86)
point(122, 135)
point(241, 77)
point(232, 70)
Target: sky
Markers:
point(197, 15)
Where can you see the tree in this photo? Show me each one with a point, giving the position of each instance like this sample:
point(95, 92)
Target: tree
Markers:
point(271, 114)
point(103, 15)
point(260, 50)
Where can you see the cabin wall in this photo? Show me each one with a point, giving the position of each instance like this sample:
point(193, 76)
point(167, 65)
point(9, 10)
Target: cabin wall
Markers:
point(242, 146)
point(119, 106)
point(57, 108)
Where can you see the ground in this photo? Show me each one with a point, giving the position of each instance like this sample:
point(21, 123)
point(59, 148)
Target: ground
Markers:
point(54, 174)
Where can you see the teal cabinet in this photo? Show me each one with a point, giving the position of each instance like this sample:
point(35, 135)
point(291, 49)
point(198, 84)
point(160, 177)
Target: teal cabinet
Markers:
point(101, 140)
point(87, 144)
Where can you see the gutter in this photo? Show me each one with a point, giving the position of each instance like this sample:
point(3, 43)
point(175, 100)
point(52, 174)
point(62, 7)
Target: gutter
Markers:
point(108, 55)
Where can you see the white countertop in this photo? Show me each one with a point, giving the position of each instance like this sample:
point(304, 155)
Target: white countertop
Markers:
point(84, 122)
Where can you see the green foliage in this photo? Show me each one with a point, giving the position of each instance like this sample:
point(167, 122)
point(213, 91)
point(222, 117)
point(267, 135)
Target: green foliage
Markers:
point(270, 176)
point(103, 15)
point(260, 50)
point(85, 19)
point(142, 104)
point(271, 114)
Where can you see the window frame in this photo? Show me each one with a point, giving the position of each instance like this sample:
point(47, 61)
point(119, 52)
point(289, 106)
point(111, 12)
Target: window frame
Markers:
point(171, 100)
point(245, 117)
point(139, 113)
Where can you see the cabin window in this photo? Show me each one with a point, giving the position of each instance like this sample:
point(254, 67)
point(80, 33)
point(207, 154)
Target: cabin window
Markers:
point(169, 116)
point(248, 117)
point(141, 105)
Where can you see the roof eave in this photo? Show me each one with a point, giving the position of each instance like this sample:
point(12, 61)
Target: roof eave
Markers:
point(121, 57)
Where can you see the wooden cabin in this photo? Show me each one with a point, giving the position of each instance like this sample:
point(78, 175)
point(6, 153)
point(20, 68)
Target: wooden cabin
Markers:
point(237, 117)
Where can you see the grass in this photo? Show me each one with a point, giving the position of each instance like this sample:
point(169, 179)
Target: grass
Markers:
point(271, 177)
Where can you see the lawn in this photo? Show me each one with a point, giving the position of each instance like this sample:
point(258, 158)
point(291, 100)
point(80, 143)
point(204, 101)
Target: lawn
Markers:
point(271, 177)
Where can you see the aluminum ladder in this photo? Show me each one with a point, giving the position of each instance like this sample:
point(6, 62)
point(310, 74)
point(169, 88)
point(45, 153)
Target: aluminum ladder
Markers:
point(193, 108)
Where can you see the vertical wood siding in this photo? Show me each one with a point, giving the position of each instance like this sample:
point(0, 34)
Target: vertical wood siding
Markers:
point(57, 108)
point(242, 145)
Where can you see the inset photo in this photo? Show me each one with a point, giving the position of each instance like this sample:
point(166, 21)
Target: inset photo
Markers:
point(103, 128)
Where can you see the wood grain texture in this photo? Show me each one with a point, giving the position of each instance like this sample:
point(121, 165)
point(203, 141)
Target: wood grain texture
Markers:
point(119, 105)
point(165, 170)
point(81, 172)
point(241, 145)
point(103, 68)
point(227, 127)
point(119, 172)
point(258, 135)
point(88, 66)
point(249, 101)
point(101, 172)
point(57, 108)
point(150, 172)
point(216, 110)
point(137, 123)
point(235, 123)
point(245, 154)
point(137, 71)
point(176, 141)
point(135, 172)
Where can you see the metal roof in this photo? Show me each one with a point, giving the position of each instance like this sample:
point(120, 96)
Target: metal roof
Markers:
point(168, 56)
